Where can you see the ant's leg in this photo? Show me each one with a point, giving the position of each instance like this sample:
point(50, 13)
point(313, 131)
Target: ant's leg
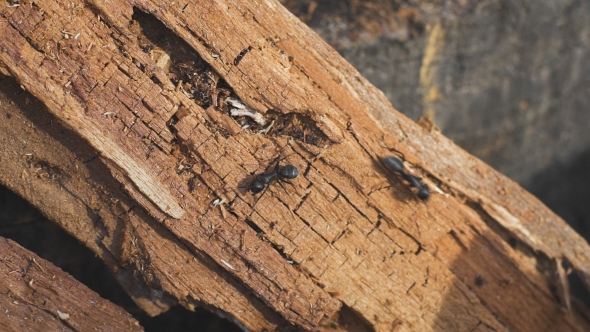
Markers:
point(281, 183)
point(285, 181)
point(259, 197)
point(279, 158)
point(400, 153)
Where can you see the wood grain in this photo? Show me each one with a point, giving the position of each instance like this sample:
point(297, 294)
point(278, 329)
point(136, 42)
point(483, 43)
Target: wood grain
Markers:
point(346, 234)
point(37, 296)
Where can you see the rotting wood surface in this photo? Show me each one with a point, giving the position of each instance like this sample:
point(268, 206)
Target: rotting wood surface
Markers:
point(37, 296)
point(77, 190)
point(347, 237)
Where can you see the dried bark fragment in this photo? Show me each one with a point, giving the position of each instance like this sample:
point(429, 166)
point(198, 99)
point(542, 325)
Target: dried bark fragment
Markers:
point(37, 296)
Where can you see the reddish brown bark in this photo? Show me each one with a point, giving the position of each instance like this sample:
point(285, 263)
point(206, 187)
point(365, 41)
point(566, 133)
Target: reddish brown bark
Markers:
point(144, 156)
point(37, 296)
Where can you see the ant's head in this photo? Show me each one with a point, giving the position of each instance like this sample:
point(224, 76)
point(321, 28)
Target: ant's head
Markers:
point(423, 192)
point(289, 172)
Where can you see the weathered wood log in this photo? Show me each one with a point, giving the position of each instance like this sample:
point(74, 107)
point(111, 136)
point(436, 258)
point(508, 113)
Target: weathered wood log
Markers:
point(71, 189)
point(133, 149)
point(37, 296)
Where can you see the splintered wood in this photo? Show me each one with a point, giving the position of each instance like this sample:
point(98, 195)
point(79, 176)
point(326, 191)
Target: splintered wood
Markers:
point(37, 296)
point(168, 186)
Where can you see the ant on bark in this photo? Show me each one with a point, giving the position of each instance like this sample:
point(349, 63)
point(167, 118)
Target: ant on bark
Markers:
point(281, 174)
point(396, 165)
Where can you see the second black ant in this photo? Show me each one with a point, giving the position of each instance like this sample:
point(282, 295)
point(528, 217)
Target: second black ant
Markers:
point(262, 182)
point(396, 165)
point(241, 55)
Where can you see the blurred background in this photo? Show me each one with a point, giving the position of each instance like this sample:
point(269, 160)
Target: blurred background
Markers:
point(509, 81)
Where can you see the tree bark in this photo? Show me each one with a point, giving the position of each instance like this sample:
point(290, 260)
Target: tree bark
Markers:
point(37, 296)
point(131, 146)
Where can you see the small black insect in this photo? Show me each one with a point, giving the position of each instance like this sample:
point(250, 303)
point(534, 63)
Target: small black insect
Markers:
point(241, 55)
point(263, 181)
point(396, 165)
point(147, 48)
point(423, 191)
point(479, 280)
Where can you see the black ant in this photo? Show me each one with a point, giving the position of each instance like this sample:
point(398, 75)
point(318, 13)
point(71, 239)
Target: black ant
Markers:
point(479, 280)
point(281, 174)
point(241, 55)
point(396, 165)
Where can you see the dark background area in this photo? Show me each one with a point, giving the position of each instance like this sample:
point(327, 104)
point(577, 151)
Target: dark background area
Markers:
point(507, 81)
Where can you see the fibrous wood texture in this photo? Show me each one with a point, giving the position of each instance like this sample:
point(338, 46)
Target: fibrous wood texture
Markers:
point(140, 158)
point(37, 296)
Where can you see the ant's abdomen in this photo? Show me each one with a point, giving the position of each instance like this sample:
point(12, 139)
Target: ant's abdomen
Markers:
point(394, 164)
point(289, 172)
